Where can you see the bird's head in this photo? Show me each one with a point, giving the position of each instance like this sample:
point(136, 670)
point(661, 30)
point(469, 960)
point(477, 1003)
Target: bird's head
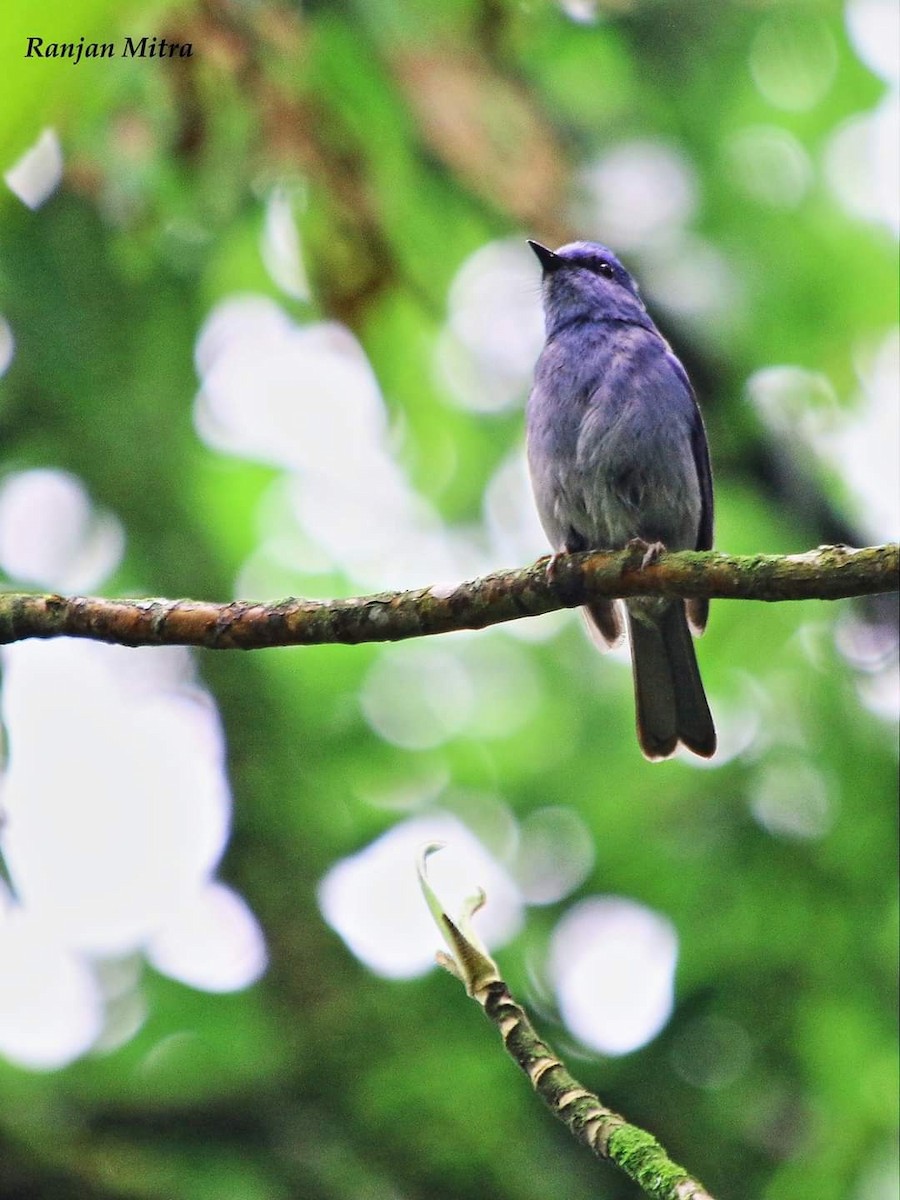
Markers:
point(585, 279)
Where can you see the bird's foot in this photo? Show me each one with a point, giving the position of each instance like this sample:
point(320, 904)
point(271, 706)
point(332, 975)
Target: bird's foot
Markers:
point(553, 564)
point(649, 551)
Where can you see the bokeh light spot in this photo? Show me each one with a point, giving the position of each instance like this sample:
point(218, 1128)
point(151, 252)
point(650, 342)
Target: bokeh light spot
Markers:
point(874, 29)
point(372, 898)
point(858, 442)
point(38, 173)
point(111, 841)
point(638, 193)
point(770, 164)
point(305, 398)
point(510, 514)
point(555, 854)
point(51, 1008)
point(417, 697)
point(692, 278)
point(7, 346)
point(790, 798)
point(495, 328)
point(214, 943)
point(793, 59)
point(51, 536)
point(711, 1052)
point(107, 862)
point(291, 395)
point(613, 962)
point(280, 244)
point(862, 164)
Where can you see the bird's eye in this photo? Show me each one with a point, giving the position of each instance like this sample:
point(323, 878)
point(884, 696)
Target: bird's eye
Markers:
point(602, 267)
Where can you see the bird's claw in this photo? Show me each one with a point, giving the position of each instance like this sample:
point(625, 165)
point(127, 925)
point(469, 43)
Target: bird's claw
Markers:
point(649, 551)
point(553, 565)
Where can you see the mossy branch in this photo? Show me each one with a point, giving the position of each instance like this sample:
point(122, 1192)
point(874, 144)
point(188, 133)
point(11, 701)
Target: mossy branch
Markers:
point(605, 1132)
point(827, 573)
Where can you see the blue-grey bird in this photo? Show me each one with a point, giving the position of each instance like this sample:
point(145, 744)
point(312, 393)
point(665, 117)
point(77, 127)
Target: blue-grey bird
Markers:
point(617, 453)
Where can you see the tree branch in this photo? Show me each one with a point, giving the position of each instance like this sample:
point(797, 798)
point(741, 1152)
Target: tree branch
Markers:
point(828, 573)
point(605, 1133)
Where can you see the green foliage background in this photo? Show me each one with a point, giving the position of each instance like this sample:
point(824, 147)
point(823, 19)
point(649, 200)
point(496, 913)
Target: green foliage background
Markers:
point(324, 1080)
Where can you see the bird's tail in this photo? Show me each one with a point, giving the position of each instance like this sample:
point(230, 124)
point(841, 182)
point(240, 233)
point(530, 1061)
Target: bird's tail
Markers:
point(603, 619)
point(669, 698)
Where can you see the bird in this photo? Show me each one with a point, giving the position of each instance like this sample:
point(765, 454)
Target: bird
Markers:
point(618, 457)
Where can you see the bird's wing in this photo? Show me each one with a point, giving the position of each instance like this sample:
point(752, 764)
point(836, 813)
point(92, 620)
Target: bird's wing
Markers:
point(700, 450)
point(698, 610)
point(704, 477)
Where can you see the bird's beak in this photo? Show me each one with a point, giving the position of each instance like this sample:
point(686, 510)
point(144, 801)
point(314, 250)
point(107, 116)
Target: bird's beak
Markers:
point(548, 259)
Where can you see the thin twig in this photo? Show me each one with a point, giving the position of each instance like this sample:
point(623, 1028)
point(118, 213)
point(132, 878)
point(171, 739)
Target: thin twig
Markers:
point(605, 1133)
point(828, 573)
